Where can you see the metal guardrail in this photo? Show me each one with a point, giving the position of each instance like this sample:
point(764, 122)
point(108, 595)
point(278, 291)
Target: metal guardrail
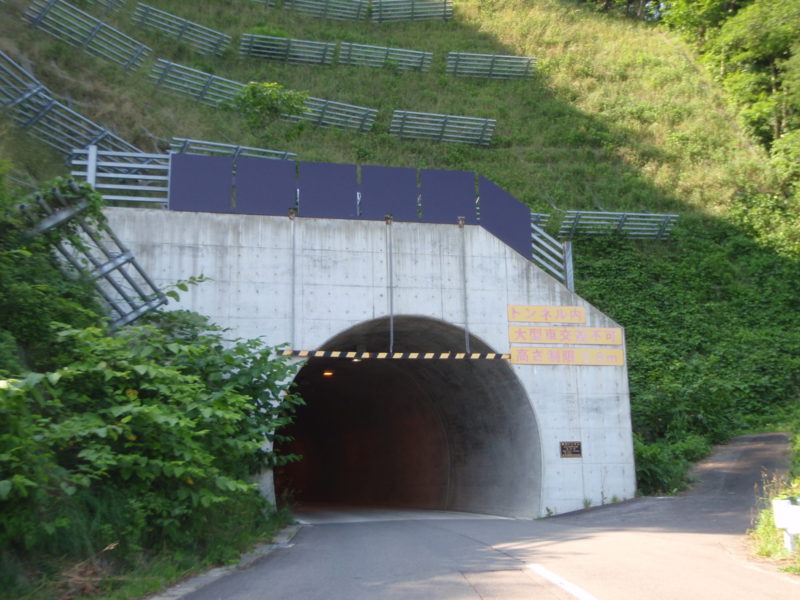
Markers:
point(495, 66)
point(213, 90)
point(551, 256)
point(82, 30)
point(287, 49)
point(200, 39)
point(384, 57)
point(123, 285)
point(16, 84)
point(32, 107)
point(633, 225)
point(327, 113)
point(126, 177)
point(442, 128)
point(187, 146)
point(203, 87)
point(411, 10)
point(343, 10)
point(108, 5)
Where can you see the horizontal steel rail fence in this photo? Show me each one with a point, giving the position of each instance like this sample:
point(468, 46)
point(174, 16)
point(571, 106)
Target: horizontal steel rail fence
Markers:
point(548, 254)
point(203, 87)
point(200, 39)
point(327, 113)
point(80, 29)
point(124, 177)
point(122, 284)
point(384, 57)
point(213, 90)
point(287, 49)
point(108, 5)
point(342, 10)
point(16, 84)
point(187, 146)
point(442, 128)
point(578, 223)
point(495, 66)
point(411, 10)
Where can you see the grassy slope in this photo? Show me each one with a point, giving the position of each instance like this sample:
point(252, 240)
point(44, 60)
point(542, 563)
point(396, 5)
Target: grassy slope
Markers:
point(620, 115)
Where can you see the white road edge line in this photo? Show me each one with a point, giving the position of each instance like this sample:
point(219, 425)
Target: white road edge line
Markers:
point(565, 585)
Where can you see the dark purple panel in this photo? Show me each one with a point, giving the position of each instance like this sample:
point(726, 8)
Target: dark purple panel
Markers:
point(447, 195)
point(200, 183)
point(389, 190)
point(265, 186)
point(505, 217)
point(328, 190)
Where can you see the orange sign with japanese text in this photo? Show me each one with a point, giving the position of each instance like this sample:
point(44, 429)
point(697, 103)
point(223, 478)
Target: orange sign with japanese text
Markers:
point(567, 356)
point(600, 336)
point(546, 314)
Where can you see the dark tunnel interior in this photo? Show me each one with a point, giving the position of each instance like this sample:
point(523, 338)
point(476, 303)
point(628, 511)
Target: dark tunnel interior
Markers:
point(434, 434)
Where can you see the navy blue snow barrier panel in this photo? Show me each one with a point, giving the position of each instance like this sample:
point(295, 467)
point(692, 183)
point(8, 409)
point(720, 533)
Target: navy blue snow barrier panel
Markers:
point(447, 195)
point(265, 186)
point(505, 217)
point(328, 191)
point(200, 183)
point(389, 190)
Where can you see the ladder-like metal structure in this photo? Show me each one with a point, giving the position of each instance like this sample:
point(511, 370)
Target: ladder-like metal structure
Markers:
point(125, 288)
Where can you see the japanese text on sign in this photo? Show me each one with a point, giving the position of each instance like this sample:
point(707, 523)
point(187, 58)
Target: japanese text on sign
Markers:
point(600, 336)
point(571, 449)
point(567, 356)
point(546, 314)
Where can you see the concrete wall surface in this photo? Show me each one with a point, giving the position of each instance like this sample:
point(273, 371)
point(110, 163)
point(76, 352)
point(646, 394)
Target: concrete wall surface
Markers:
point(482, 436)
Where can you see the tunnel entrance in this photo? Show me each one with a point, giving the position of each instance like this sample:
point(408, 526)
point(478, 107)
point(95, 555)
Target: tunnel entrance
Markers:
point(435, 434)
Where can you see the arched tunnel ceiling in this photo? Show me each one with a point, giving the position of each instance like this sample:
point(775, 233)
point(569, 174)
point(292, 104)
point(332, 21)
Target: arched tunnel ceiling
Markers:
point(444, 434)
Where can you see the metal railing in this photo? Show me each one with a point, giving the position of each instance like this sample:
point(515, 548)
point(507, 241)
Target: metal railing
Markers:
point(287, 49)
point(442, 128)
point(411, 10)
point(82, 30)
point(578, 223)
point(343, 10)
point(122, 284)
point(200, 39)
point(495, 66)
point(187, 146)
point(327, 113)
point(33, 108)
point(16, 84)
point(108, 5)
point(124, 177)
point(384, 57)
point(551, 256)
point(201, 86)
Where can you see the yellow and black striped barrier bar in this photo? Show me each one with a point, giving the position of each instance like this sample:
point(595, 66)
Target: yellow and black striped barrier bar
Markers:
point(397, 355)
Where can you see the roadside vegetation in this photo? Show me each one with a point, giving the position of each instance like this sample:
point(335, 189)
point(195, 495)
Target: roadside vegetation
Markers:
point(127, 457)
point(692, 111)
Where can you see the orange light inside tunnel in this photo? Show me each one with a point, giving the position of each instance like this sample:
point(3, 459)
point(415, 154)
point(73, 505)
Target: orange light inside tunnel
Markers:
point(327, 373)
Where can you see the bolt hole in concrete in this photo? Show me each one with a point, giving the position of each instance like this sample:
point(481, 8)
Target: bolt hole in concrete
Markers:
point(431, 434)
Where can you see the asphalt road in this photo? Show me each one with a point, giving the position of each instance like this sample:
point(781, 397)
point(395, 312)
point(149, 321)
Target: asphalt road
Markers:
point(686, 547)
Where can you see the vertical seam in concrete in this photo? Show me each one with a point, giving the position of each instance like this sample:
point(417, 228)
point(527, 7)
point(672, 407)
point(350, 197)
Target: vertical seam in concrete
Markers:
point(464, 285)
point(390, 283)
point(292, 341)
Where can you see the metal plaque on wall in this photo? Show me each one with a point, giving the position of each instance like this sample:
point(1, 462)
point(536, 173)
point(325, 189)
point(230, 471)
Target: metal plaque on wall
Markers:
point(571, 450)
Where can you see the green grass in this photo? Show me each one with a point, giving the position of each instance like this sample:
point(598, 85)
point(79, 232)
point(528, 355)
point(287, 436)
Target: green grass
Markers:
point(619, 115)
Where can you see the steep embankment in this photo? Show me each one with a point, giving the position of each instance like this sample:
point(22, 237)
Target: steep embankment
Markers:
point(619, 116)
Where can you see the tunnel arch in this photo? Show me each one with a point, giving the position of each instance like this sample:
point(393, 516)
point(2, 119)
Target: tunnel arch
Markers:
point(435, 434)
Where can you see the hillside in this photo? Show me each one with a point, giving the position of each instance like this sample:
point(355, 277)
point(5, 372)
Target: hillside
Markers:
point(620, 115)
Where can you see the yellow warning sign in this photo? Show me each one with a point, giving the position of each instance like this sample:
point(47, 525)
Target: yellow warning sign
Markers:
point(599, 336)
point(546, 314)
point(613, 357)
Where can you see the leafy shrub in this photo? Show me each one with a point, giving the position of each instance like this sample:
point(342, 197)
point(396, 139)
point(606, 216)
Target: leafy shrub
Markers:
point(262, 102)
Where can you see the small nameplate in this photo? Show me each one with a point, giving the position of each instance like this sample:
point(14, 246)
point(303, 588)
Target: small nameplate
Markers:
point(571, 450)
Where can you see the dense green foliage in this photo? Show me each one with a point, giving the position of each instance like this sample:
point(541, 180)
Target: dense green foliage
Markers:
point(260, 103)
point(712, 332)
point(141, 441)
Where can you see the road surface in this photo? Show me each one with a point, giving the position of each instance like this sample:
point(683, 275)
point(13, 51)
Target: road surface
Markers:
point(685, 547)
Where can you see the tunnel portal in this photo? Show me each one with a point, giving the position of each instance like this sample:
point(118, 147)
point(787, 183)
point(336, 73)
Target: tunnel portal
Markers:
point(436, 434)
